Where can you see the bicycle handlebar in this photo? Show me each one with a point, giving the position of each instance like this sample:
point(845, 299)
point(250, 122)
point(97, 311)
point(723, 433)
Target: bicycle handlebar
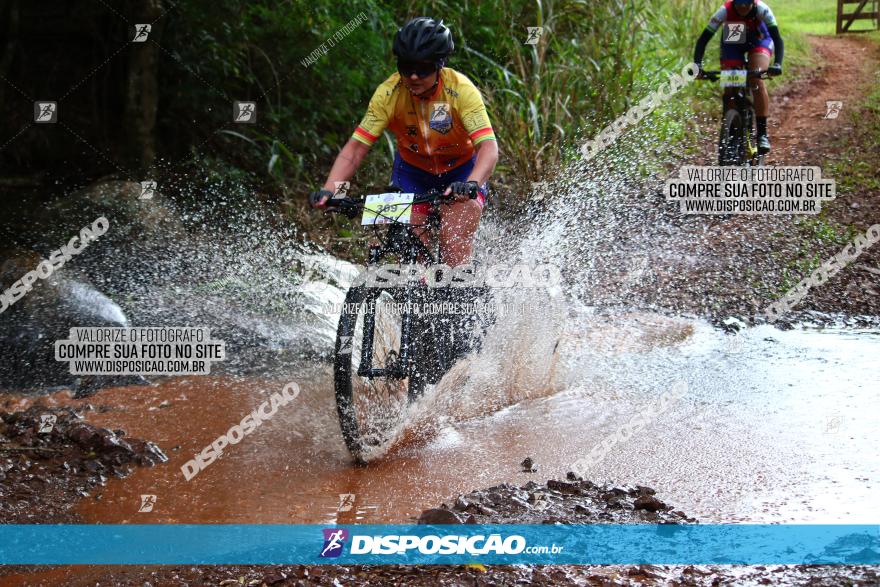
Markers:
point(351, 207)
point(713, 76)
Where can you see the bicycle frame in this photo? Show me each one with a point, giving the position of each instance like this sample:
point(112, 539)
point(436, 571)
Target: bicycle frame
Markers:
point(401, 240)
point(741, 99)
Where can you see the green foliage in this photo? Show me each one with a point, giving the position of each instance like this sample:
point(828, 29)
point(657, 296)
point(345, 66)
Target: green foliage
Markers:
point(595, 59)
point(854, 160)
point(817, 17)
point(820, 232)
point(241, 50)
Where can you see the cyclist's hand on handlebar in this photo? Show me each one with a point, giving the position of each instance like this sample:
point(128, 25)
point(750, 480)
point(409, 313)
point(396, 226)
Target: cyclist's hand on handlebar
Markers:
point(319, 198)
point(774, 70)
point(462, 190)
point(700, 74)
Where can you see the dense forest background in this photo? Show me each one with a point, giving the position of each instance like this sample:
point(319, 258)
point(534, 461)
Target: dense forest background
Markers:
point(162, 109)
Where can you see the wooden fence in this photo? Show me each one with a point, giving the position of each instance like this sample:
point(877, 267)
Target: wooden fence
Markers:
point(865, 10)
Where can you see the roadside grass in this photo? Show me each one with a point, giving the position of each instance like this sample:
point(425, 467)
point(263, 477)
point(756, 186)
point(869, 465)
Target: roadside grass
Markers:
point(854, 162)
point(820, 235)
point(814, 17)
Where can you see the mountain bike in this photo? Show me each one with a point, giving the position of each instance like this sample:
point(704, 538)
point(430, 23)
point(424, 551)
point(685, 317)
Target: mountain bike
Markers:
point(389, 345)
point(738, 143)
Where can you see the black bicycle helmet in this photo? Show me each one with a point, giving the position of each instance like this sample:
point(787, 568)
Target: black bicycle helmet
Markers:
point(423, 39)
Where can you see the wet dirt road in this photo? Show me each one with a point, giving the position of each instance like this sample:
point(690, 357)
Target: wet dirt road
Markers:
point(772, 426)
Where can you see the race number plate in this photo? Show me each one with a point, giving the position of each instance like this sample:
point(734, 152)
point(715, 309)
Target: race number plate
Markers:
point(387, 208)
point(734, 78)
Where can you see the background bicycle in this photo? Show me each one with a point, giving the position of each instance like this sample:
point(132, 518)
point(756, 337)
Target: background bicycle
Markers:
point(737, 143)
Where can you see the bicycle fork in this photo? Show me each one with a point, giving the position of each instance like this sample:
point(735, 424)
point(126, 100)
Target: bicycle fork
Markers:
point(397, 364)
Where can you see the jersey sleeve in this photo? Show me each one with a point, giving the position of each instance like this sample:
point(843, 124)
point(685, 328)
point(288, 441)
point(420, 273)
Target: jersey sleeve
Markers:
point(766, 15)
point(474, 116)
point(717, 19)
point(378, 115)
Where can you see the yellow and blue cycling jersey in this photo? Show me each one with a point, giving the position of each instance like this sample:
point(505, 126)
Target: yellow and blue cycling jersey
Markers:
point(435, 134)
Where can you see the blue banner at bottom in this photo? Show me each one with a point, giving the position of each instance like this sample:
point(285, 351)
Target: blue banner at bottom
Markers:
point(605, 544)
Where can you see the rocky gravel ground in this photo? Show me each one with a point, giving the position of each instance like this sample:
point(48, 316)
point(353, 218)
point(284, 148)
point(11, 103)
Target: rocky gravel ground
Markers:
point(573, 501)
point(50, 458)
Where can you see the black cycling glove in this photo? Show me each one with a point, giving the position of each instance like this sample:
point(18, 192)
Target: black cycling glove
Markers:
point(316, 197)
point(775, 69)
point(465, 188)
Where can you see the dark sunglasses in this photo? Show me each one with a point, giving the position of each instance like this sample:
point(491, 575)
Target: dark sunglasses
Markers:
point(407, 68)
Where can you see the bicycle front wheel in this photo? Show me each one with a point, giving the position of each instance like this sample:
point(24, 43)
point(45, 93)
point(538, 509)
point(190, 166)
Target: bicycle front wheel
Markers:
point(731, 144)
point(372, 381)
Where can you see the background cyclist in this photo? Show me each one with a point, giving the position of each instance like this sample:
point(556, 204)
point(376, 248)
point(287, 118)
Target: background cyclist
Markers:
point(761, 39)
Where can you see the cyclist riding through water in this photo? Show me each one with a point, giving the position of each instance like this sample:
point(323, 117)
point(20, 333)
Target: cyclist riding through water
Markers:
point(444, 138)
point(759, 38)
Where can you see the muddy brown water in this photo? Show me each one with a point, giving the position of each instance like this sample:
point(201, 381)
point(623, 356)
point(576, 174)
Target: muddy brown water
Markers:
point(772, 426)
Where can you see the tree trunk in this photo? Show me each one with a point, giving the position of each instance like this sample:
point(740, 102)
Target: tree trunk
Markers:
point(142, 87)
